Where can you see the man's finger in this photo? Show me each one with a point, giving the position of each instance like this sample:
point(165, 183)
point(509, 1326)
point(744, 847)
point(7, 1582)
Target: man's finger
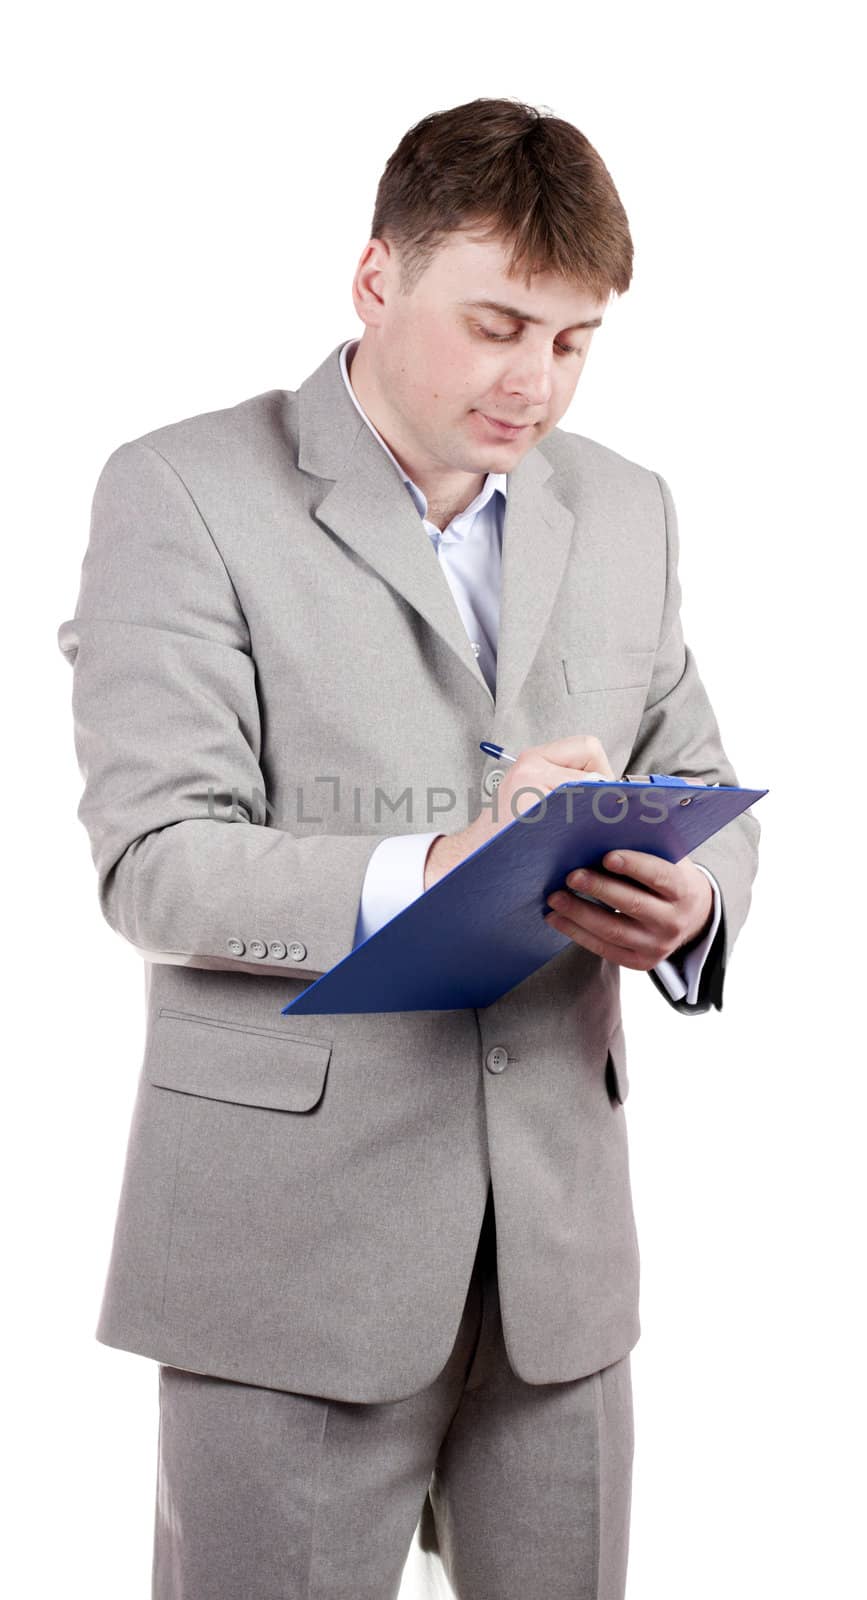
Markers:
point(660, 876)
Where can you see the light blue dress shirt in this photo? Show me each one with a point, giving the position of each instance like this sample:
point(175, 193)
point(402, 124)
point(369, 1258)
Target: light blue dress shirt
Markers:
point(469, 552)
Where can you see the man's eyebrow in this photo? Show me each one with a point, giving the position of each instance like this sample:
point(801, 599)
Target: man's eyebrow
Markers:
point(525, 316)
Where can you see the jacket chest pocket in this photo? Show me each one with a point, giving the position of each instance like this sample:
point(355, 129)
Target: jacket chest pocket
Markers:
point(621, 672)
point(247, 1065)
point(605, 695)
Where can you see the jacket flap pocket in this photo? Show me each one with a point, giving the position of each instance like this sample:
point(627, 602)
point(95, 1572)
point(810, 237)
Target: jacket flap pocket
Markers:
point(605, 671)
point(225, 1060)
point(616, 1074)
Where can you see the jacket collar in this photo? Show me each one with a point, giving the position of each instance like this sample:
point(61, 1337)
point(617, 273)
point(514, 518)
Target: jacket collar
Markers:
point(369, 508)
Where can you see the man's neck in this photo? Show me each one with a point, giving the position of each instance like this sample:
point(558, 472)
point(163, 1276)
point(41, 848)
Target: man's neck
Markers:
point(447, 493)
point(441, 514)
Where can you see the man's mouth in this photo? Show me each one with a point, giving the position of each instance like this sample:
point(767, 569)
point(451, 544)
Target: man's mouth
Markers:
point(504, 429)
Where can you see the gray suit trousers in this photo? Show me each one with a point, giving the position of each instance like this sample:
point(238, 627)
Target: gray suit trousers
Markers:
point(265, 1494)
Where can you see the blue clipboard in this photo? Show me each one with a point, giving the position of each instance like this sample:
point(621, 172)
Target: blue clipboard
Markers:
point(480, 930)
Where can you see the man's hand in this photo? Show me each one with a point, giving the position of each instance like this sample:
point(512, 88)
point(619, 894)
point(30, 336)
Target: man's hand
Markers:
point(538, 770)
point(657, 907)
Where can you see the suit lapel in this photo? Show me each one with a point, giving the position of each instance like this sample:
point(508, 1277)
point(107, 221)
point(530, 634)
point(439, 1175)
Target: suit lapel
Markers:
point(537, 535)
point(370, 509)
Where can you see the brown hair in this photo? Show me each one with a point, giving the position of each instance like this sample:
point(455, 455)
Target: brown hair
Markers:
point(532, 180)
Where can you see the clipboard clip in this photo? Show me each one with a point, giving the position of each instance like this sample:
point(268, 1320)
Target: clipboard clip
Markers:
point(663, 780)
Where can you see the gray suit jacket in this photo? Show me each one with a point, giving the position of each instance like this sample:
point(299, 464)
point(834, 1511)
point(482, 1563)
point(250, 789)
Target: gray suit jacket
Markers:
point(270, 674)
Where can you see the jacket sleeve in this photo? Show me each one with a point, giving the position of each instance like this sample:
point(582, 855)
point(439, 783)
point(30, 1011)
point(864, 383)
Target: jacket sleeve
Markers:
point(168, 741)
point(679, 736)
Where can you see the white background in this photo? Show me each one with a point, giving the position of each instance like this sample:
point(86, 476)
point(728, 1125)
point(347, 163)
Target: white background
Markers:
point(189, 189)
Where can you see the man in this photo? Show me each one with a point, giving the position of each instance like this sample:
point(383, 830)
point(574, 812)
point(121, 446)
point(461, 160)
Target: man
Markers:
point(387, 1263)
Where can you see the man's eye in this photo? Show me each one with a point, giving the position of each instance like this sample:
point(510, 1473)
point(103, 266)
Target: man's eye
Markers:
point(504, 338)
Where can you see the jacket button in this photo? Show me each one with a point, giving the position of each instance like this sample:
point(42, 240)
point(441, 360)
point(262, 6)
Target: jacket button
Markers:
point(492, 780)
point(497, 1059)
point(258, 949)
point(297, 950)
point(236, 946)
point(277, 949)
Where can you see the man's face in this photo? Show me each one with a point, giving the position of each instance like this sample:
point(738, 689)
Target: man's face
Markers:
point(440, 366)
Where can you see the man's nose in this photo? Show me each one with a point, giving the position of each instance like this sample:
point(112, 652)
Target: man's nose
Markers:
point(532, 377)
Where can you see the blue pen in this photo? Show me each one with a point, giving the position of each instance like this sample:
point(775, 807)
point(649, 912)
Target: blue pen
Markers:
point(496, 750)
point(503, 755)
point(629, 777)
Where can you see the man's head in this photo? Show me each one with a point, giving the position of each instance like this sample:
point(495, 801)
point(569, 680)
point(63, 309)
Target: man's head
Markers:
point(485, 202)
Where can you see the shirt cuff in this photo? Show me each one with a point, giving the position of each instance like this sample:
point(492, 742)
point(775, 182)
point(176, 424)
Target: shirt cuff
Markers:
point(394, 878)
point(685, 982)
